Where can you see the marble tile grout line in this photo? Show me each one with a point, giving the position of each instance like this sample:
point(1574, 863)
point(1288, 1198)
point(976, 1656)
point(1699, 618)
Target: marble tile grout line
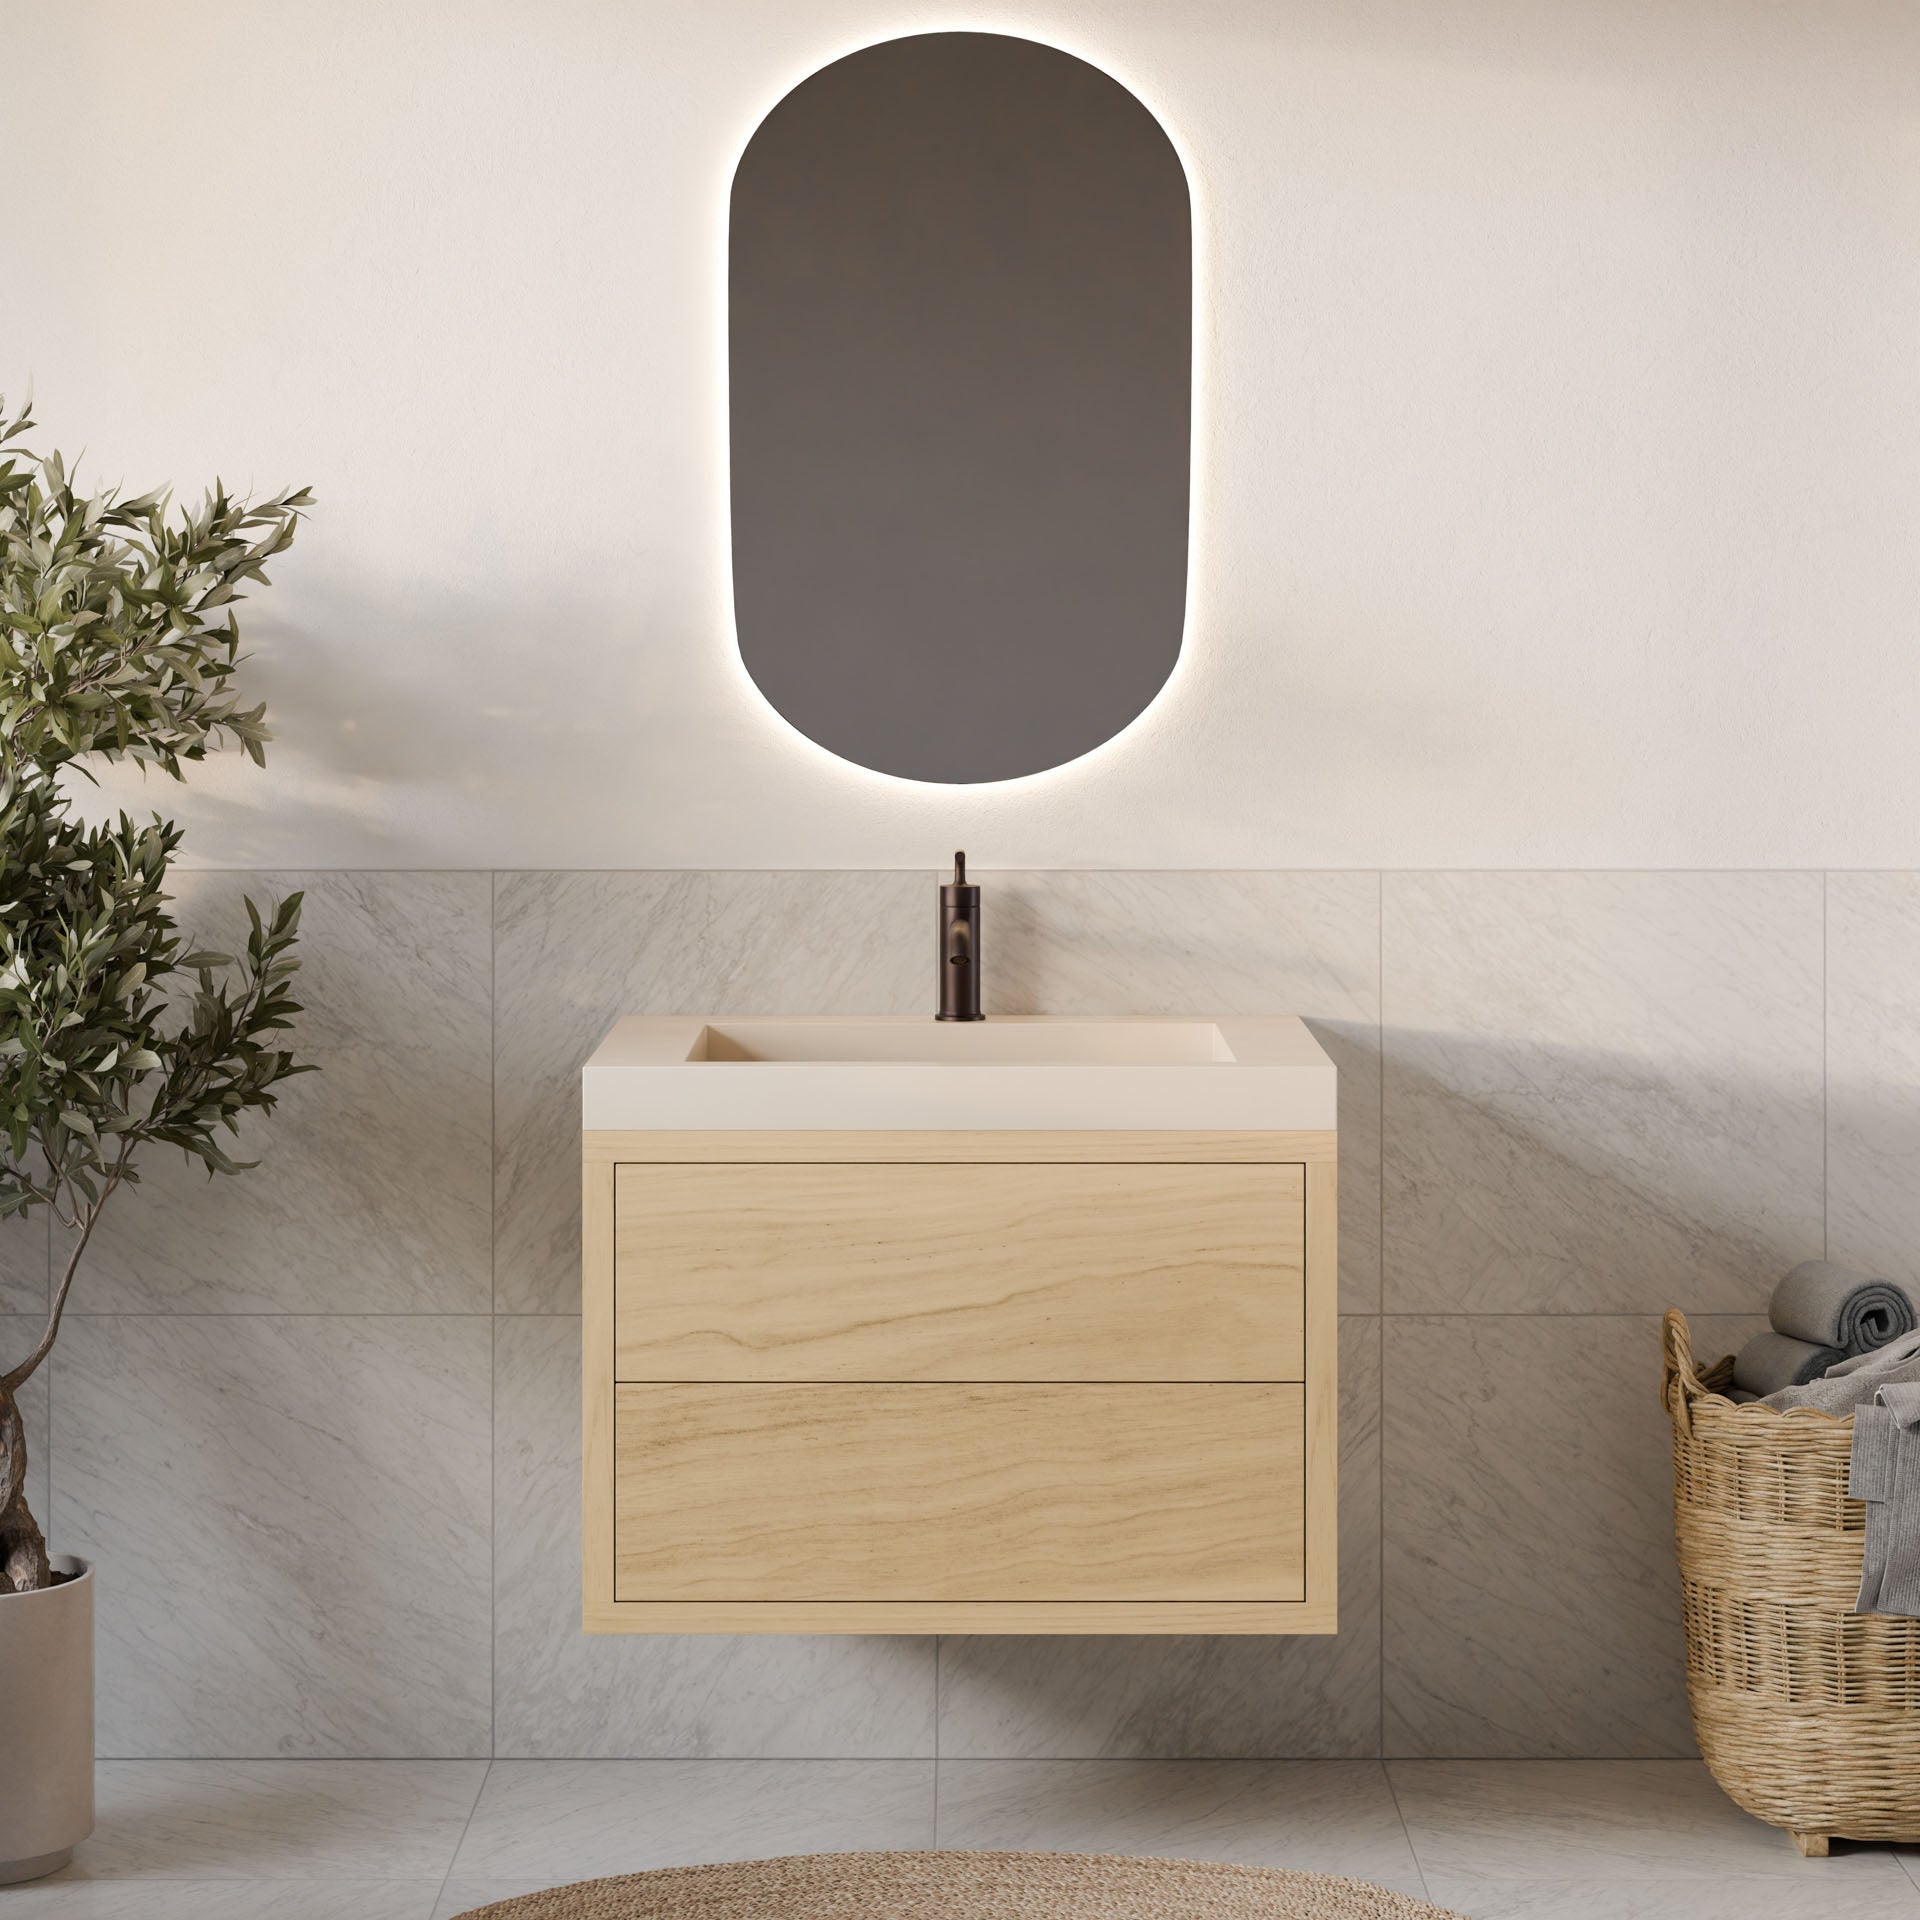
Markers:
point(1380, 1301)
point(1360, 867)
point(542, 1313)
point(493, 1539)
point(905, 1759)
point(628, 1760)
point(304, 1313)
point(493, 1309)
point(47, 1368)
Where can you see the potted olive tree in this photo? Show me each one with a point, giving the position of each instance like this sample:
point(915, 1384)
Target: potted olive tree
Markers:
point(117, 641)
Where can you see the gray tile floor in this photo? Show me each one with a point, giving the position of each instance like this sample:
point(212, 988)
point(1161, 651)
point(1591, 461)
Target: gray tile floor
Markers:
point(428, 1839)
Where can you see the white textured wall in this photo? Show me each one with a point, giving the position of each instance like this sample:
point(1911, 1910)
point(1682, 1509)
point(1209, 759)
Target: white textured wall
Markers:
point(1559, 469)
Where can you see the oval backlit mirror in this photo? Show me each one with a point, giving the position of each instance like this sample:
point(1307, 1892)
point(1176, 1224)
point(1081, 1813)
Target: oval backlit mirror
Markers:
point(960, 340)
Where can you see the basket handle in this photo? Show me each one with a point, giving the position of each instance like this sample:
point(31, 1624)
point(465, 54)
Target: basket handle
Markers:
point(1680, 1382)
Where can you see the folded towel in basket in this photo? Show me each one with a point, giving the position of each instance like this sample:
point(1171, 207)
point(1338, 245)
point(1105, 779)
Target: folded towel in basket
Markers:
point(1832, 1306)
point(1854, 1382)
point(1885, 1473)
point(1770, 1361)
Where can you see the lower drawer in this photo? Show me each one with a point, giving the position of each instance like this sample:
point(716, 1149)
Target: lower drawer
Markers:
point(983, 1492)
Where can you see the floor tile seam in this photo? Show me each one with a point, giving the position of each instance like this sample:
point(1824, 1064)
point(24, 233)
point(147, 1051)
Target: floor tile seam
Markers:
point(1406, 1832)
point(453, 1858)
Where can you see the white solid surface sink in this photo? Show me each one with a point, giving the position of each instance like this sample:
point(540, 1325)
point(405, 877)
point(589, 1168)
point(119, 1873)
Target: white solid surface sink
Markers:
point(1010, 1073)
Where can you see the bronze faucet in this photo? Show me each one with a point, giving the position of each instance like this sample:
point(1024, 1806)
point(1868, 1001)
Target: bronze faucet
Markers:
point(959, 949)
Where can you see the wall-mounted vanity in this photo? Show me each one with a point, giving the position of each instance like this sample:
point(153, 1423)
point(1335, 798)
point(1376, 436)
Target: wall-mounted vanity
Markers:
point(1024, 1326)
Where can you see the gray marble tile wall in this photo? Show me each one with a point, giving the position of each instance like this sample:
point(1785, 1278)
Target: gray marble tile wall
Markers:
point(319, 1426)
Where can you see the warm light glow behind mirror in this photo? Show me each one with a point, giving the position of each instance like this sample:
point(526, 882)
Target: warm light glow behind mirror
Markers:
point(960, 401)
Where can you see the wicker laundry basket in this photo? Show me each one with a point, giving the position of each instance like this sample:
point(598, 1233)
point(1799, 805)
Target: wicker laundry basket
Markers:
point(1807, 1713)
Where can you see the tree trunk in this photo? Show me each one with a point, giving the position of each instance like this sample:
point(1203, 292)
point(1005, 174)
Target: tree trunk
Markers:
point(23, 1549)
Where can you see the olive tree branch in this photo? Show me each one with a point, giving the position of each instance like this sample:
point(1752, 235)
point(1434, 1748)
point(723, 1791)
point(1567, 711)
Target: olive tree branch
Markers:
point(13, 1380)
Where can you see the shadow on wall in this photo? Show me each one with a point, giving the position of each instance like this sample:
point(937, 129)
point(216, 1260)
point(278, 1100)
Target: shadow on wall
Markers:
point(1508, 1580)
point(1543, 1204)
point(1123, 943)
point(380, 750)
point(1522, 1177)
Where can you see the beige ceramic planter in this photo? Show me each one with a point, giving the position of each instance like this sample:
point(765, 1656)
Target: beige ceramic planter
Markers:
point(46, 1723)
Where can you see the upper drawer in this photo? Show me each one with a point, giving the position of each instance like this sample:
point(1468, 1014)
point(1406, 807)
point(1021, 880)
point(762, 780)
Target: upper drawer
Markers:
point(995, 1271)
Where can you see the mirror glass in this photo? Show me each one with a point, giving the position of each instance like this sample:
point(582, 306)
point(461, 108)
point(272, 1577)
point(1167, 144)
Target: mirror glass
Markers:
point(960, 342)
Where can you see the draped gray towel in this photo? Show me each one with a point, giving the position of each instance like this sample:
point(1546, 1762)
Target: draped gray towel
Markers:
point(1885, 1473)
point(1833, 1306)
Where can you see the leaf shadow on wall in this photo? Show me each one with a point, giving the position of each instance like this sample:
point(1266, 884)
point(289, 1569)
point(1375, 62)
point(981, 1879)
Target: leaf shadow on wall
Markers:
point(398, 735)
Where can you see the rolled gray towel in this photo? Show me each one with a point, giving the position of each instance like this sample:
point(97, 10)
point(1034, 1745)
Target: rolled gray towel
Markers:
point(1770, 1361)
point(1831, 1306)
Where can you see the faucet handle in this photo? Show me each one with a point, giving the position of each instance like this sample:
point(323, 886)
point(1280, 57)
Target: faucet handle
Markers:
point(959, 892)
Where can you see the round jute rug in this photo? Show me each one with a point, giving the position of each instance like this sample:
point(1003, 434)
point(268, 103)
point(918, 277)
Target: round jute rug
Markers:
point(965, 1886)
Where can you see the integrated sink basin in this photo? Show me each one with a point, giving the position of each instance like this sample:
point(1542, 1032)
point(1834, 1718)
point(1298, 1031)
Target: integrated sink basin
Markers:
point(1017, 1073)
point(1138, 1043)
